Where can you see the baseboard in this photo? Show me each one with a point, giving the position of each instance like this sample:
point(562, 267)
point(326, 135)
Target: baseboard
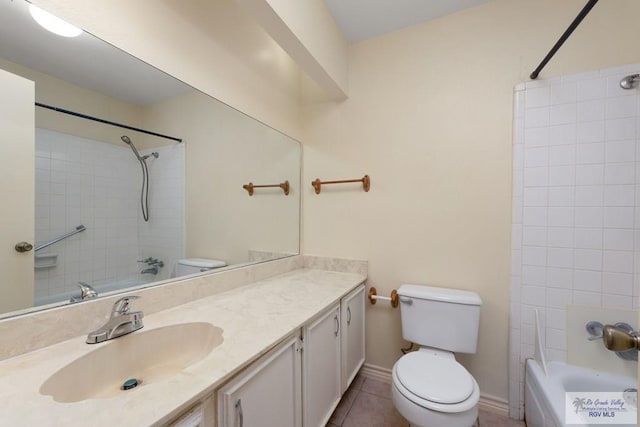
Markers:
point(487, 402)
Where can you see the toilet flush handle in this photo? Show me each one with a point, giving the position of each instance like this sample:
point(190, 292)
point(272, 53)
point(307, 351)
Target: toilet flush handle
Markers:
point(406, 300)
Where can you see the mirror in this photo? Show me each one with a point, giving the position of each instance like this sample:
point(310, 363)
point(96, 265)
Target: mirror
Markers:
point(181, 159)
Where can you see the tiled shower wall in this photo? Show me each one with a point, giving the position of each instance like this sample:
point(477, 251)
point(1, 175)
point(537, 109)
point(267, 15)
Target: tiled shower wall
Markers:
point(96, 184)
point(575, 224)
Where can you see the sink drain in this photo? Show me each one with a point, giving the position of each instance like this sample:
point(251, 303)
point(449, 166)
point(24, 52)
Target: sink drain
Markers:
point(130, 383)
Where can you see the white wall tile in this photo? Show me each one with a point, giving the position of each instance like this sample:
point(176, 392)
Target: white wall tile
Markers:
point(620, 129)
point(534, 275)
point(588, 259)
point(618, 239)
point(559, 277)
point(620, 151)
point(564, 93)
point(589, 132)
point(560, 237)
point(536, 177)
point(590, 111)
point(617, 283)
point(621, 107)
point(590, 153)
point(562, 155)
point(617, 301)
point(618, 217)
point(618, 261)
point(538, 97)
point(589, 195)
point(619, 195)
point(562, 196)
point(589, 89)
point(537, 137)
point(534, 236)
point(563, 114)
point(560, 257)
point(556, 339)
point(558, 298)
point(560, 216)
point(590, 217)
point(535, 295)
point(537, 117)
point(562, 175)
point(536, 156)
point(592, 299)
point(534, 216)
point(559, 135)
point(590, 174)
point(587, 280)
point(619, 173)
point(535, 255)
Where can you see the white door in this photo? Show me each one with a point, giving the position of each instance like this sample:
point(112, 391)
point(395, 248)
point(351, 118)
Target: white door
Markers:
point(268, 393)
point(17, 181)
point(321, 368)
point(353, 346)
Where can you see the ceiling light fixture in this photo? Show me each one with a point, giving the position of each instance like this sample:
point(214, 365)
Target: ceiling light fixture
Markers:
point(53, 23)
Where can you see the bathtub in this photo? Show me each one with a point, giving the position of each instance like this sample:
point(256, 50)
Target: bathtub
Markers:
point(545, 395)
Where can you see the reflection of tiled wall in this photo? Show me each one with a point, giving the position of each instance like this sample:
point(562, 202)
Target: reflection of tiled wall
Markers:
point(82, 181)
point(574, 198)
point(163, 236)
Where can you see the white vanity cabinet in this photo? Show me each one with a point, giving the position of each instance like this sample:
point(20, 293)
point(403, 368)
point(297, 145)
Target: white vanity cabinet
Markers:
point(321, 367)
point(267, 393)
point(352, 335)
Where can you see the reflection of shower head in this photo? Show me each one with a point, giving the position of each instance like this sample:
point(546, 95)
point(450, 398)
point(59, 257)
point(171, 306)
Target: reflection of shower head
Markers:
point(629, 82)
point(128, 141)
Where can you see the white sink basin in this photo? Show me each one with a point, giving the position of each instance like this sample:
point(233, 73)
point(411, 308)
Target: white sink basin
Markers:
point(148, 356)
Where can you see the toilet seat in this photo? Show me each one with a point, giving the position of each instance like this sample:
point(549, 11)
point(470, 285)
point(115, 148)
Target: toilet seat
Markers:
point(435, 382)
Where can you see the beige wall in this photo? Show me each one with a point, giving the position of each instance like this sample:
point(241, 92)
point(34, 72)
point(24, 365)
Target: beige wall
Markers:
point(429, 118)
point(224, 150)
point(56, 92)
point(212, 45)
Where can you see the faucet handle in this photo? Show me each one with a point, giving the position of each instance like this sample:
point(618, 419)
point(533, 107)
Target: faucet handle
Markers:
point(121, 306)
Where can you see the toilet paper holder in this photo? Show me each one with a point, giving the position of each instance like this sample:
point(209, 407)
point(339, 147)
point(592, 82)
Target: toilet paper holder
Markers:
point(373, 297)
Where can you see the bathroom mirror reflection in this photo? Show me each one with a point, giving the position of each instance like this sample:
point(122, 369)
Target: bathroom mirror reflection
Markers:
point(117, 207)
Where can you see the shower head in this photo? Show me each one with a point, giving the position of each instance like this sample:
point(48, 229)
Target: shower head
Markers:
point(128, 141)
point(630, 81)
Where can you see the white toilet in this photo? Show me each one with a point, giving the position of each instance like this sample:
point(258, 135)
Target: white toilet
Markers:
point(197, 265)
point(430, 388)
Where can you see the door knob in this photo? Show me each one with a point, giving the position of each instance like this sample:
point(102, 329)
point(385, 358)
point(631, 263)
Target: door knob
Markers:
point(23, 247)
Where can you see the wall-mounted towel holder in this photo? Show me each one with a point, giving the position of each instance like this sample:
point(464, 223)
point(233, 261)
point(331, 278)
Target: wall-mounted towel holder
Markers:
point(284, 185)
point(393, 299)
point(365, 180)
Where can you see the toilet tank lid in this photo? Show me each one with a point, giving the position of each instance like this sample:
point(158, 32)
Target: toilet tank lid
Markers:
point(433, 293)
point(202, 262)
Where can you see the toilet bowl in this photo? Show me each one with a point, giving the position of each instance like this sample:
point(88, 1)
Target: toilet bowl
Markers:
point(196, 265)
point(429, 387)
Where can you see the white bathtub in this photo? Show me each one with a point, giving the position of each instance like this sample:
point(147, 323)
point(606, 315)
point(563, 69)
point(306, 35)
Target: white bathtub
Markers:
point(545, 394)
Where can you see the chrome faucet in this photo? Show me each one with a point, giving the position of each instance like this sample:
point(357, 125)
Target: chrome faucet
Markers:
point(86, 292)
point(121, 322)
point(150, 270)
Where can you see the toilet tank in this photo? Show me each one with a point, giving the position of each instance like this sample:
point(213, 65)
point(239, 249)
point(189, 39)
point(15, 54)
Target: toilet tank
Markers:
point(442, 318)
point(197, 265)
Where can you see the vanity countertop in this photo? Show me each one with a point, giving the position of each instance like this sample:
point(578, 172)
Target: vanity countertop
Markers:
point(254, 318)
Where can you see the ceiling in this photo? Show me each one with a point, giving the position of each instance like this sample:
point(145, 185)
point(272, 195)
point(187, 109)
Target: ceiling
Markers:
point(363, 19)
point(85, 60)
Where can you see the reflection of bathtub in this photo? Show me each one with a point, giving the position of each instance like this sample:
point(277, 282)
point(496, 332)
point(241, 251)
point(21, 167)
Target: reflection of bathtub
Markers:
point(102, 289)
point(545, 395)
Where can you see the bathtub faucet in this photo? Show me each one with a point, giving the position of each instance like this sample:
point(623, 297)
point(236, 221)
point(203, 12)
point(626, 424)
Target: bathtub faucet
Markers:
point(616, 338)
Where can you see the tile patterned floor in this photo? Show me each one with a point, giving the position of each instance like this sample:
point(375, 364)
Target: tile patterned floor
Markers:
point(368, 403)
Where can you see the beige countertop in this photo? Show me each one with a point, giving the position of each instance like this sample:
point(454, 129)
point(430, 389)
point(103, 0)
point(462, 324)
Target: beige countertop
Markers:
point(254, 318)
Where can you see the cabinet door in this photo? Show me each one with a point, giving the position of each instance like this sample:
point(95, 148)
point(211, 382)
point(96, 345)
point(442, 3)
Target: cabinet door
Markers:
point(352, 313)
point(268, 393)
point(321, 368)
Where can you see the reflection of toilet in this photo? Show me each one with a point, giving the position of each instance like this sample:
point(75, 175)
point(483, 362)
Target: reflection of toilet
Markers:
point(430, 388)
point(197, 265)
